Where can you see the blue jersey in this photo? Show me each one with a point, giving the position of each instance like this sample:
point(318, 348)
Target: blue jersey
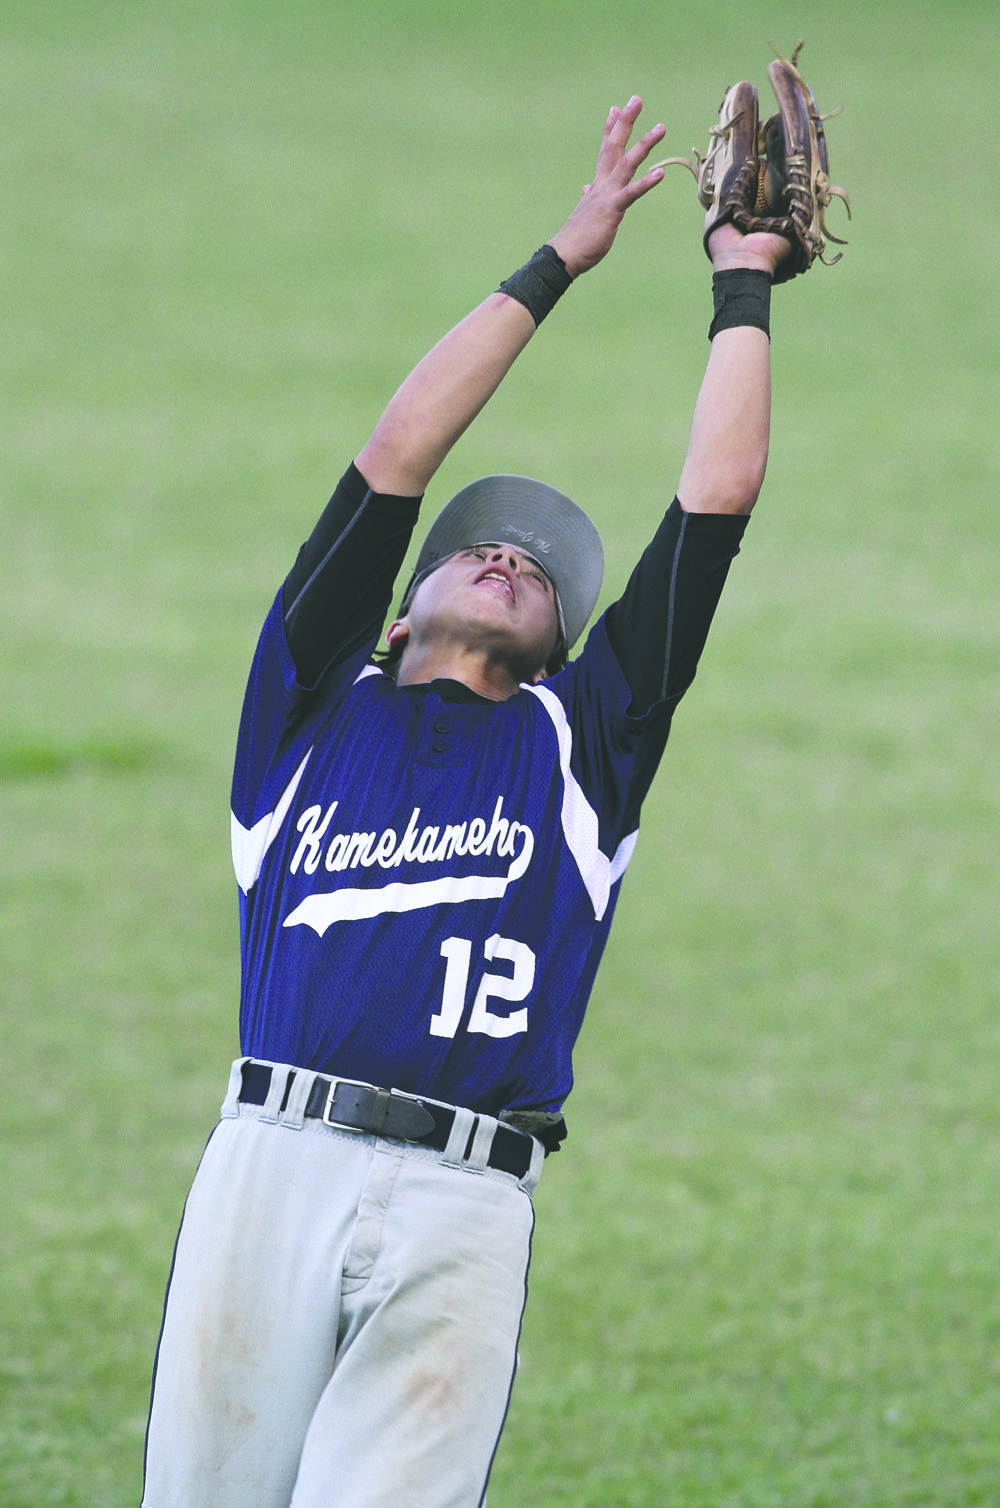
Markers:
point(427, 878)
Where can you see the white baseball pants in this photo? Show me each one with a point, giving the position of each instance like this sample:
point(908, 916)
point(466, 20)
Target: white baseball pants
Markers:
point(341, 1322)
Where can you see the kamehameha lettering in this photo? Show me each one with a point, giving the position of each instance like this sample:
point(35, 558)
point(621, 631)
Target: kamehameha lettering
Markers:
point(429, 843)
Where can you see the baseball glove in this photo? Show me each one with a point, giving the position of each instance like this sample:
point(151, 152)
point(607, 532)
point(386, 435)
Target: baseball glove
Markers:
point(773, 176)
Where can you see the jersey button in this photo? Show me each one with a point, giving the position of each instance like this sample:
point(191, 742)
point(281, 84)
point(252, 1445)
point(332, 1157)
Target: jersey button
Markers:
point(439, 746)
point(440, 727)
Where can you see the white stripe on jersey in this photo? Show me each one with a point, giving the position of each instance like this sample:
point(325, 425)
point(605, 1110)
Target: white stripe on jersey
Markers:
point(350, 905)
point(623, 854)
point(579, 820)
point(250, 844)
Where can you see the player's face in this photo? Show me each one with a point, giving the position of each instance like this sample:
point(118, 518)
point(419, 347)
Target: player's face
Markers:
point(493, 597)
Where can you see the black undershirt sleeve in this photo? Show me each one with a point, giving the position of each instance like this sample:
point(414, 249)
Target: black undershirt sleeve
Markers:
point(659, 625)
point(340, 588)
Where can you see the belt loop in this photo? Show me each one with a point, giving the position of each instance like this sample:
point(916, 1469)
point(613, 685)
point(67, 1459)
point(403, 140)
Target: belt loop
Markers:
point(461, 1130)
point(231, 1103)
point(479, 1153)
point(294, 1112)
point(530, 1180)
point(271, 1107)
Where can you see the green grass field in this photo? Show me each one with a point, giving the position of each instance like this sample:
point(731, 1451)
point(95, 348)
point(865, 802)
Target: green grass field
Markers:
point(766, 1263)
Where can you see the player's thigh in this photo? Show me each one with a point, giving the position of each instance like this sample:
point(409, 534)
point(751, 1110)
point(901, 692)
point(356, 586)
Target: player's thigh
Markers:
point(252, 1310)
point(414, 1410)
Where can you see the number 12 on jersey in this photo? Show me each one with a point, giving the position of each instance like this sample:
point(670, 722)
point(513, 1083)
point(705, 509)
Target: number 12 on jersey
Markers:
point(457, 953)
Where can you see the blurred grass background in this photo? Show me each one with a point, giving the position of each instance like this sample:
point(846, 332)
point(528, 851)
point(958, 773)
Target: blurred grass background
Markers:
point(765, 1269)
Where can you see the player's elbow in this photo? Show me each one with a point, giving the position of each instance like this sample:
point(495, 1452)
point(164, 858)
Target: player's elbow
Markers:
point(744, 488)
point(732, 489)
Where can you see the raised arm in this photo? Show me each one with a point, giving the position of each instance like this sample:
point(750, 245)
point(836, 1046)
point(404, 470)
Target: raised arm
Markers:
point(727, 451)
point(455, 380)
point(659, 626)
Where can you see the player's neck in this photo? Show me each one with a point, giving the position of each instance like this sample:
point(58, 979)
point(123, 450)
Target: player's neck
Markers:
point(486, 677)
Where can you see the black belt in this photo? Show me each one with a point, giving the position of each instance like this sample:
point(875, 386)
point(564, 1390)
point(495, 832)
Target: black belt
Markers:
point(386, 1112)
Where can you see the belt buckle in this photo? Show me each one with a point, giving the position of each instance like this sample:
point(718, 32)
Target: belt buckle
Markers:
point(327, 1117)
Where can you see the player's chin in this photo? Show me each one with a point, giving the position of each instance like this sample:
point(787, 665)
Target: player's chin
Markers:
point(496, 616)
point(518, 636)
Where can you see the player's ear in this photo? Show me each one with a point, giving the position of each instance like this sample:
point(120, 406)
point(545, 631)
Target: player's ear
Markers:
point(397, 634)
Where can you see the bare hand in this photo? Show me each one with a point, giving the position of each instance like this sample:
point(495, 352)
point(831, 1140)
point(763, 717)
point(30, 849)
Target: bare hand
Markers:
point(590, 230)
point(760, 249)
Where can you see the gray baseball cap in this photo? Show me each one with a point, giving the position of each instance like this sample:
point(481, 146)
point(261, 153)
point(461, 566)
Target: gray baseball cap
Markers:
point(535, 519)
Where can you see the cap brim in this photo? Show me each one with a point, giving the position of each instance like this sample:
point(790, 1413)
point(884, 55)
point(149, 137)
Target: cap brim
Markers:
point(535, 518)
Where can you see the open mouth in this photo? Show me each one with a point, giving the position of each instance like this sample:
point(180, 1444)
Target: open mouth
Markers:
point(497, 581)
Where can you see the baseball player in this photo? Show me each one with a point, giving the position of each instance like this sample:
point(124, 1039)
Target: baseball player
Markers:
point(429, 849)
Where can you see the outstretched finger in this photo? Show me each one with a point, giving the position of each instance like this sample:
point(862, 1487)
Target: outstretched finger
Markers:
point(640, 151)
point(644, 184)
point(619, 128)
point(628, 115)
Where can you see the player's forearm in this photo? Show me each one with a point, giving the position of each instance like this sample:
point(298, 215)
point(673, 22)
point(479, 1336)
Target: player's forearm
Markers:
point(443, 394)
point(727, 451)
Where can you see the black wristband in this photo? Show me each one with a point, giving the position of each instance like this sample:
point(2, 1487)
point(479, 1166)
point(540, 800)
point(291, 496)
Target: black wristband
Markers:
point(539, 284)
point(742, 296)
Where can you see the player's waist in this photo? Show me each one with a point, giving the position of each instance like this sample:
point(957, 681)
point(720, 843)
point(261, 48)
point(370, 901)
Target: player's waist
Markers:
point(347, 1105)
